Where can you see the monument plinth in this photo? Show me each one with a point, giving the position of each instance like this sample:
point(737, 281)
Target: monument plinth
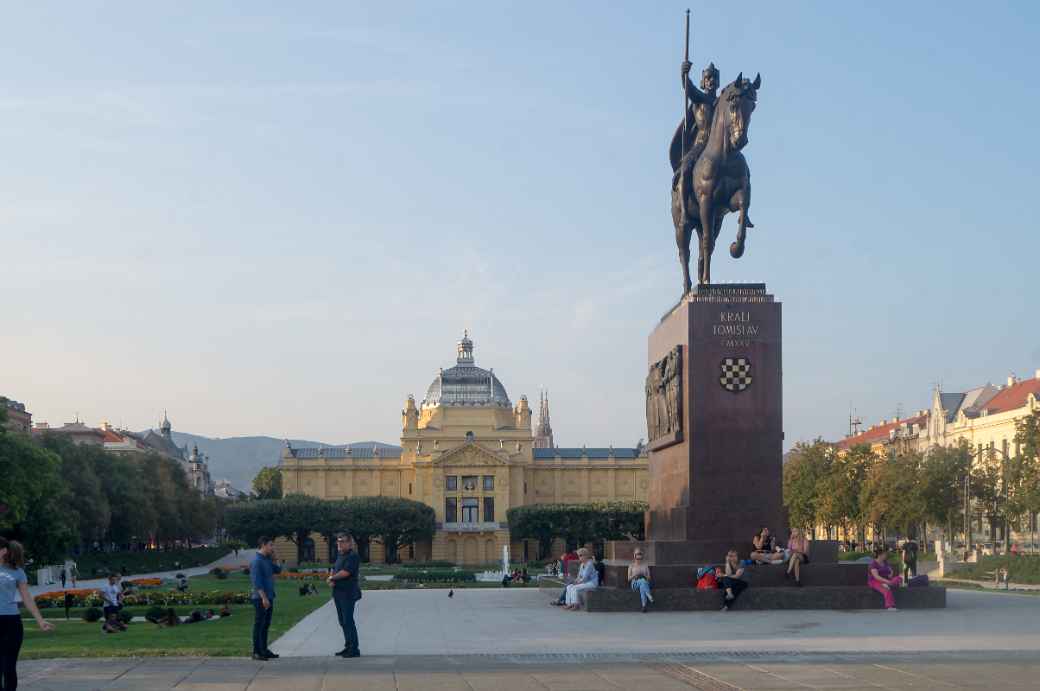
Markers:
point(715, 423)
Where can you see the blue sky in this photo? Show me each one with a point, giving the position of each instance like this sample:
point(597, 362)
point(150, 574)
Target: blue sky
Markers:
point(275, 220)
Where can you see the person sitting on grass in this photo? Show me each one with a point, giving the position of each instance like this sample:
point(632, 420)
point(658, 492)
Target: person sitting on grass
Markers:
point(732, 583)
point(639, 579)
point(881, 578)
point(112, 596)
point(766, 550)
point(798, 554)
point(588, 578)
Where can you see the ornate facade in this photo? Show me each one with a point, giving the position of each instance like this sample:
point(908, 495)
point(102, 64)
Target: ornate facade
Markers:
point(469, 453)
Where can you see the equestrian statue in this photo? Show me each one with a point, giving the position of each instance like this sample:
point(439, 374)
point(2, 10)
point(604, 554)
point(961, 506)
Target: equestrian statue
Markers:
point(710, 174)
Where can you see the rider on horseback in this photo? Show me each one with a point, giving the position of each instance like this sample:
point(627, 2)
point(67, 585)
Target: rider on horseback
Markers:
point(701, 109)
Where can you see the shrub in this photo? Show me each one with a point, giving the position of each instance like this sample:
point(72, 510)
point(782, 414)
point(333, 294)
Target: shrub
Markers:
point(219, 573)
point(432, 564)
point(154, 614)
point(125, 617)
point(436, 576)
point(91, 614)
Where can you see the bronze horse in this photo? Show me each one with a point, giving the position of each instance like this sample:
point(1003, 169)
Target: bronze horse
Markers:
point(721, 182)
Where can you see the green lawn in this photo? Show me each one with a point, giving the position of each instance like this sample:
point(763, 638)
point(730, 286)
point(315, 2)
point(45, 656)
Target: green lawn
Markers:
point(230, 636)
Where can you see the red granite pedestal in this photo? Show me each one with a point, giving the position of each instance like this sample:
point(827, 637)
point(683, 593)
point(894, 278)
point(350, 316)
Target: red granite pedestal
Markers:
point(717, 478)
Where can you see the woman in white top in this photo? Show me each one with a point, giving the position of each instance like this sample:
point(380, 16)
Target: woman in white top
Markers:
point(588, 578)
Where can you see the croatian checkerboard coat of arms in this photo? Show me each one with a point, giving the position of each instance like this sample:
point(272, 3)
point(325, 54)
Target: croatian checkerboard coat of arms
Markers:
point(736, 374)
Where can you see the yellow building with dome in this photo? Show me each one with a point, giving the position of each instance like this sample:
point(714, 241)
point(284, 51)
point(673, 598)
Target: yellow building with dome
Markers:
point(469, 453)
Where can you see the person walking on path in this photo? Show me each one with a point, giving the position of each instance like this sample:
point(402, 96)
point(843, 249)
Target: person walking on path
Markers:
point(345, 581)
point(63, 578)
point(12, 581)
point(74, 573)
point(881, 578)
point(261, 572)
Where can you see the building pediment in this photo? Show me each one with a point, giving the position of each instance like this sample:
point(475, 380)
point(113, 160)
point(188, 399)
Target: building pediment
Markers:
point(470, 454)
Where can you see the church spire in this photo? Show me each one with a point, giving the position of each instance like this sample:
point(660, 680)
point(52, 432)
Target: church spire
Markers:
point(543, 438)
point(465, 350)
point(164, 426)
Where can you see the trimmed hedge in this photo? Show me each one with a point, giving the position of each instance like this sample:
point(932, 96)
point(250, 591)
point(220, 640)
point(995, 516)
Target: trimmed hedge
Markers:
point(436, 576)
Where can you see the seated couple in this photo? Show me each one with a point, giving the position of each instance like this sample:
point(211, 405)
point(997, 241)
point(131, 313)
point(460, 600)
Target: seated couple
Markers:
point(766, 551)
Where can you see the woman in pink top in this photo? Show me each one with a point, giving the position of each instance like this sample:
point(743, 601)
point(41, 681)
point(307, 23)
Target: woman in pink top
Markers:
point(881, 578)
point(797, 554)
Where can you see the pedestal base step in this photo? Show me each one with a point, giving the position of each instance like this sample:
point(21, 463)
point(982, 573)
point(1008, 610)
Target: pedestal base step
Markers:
point(759, 575)
point(692, 600)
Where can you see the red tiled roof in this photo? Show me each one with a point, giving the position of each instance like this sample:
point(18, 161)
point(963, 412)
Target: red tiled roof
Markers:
point(112, 436)
point(879, 433)
point(1013, 396)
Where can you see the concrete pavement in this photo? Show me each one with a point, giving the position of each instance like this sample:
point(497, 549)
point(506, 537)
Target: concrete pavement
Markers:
point(514, 621)
point(715, 672)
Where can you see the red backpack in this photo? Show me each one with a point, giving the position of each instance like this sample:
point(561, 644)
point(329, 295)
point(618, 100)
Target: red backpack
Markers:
point(707, 582)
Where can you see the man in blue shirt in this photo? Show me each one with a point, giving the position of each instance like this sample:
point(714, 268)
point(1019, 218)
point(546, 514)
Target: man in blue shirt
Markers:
point(346, 591)
point(261, 572)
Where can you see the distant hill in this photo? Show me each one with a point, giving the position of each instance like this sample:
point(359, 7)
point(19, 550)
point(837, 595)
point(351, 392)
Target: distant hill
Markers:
point(239, 459)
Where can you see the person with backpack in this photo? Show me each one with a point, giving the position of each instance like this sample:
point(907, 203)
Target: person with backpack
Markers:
point(732, 581)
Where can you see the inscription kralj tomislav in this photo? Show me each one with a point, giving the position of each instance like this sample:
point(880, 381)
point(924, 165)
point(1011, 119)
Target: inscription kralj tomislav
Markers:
point(710, 174)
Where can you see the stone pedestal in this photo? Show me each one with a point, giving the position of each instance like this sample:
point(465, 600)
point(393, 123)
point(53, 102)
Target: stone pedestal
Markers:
point(714, 413)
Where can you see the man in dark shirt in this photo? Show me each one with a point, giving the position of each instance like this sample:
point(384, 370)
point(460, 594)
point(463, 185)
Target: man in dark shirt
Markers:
point(346, 591)
point(261, 572)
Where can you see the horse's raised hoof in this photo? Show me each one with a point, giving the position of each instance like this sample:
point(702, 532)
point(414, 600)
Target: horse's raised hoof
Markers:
point(736, 250)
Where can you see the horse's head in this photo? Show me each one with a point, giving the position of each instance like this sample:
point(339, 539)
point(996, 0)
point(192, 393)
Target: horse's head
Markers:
point(736, 103)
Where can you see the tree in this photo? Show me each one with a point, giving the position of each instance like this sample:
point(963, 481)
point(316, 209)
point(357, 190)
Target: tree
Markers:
point(890, 497)
point(941, 484)
point(86, 504)
point(34, 493)
point(268, 483)
point(401, 522)
point(806, 464)
point(576, 523)
point(838, 489)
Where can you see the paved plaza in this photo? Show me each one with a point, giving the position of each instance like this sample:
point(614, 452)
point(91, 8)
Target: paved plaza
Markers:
point(713, 672)
point(519, 621)
point(511, 639)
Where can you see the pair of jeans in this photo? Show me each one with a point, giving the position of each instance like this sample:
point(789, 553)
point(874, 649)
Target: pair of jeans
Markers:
point(735, 584)
point(261, 624)
point(345, 613)
point(642, 586)
point(11, 634)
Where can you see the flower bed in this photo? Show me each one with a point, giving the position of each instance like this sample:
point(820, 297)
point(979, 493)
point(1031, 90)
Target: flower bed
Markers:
point(168, 598)
point(80, 597)
point(145, 582)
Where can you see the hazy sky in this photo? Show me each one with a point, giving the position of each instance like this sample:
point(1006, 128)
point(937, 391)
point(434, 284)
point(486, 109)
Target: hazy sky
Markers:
point(277, 219)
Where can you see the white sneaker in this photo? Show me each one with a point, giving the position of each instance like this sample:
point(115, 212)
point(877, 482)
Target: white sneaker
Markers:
point(892, 609)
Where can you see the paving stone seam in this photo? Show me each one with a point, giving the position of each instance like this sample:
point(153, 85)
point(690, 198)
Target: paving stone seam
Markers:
point(916, 676)
point(695, 677)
